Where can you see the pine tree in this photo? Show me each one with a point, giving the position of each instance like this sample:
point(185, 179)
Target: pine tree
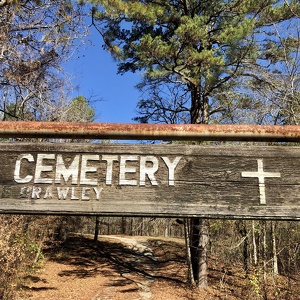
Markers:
point(200, 48)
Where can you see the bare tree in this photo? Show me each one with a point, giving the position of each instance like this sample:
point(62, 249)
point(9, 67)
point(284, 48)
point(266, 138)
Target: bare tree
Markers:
point(272, 91)
point(36, 38)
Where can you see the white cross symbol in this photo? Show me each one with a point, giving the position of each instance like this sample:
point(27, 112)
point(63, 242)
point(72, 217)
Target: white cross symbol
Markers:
point(261, 175)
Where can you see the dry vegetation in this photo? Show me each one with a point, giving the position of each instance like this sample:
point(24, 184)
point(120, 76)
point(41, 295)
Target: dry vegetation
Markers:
point(40, 259)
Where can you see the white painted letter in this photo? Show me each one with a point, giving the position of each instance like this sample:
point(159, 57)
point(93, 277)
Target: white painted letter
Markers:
point(171, 166)
point(73, 196)
point(149, 170)
point(126, 169)
point(48, 193)
point(109, 169)
point(25, 192)
point(88, 169)
point(62, 193)
point(66, 173)
point(98, 191)
point(17, 177)
point(42, 168)
point(36, 190)
point(85, 194)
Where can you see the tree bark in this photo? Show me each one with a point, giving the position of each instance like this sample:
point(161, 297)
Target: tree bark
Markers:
point(199, 248)
point(123, 220)
point(96, 232)
point(254, 244)
point(275, 260)
point(265, 258)
point(202, 256)
point(199, 227)
point(188, 251)
point(244, 233)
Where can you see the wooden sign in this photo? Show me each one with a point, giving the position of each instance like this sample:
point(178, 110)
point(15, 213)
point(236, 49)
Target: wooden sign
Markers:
point(150, 180)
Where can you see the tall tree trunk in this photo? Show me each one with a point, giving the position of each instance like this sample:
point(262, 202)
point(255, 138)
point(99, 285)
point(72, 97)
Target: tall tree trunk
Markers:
point(195, 111)
point(142, 226)
point(244, 233)
point(199, 228)
point(123, 225)
point(194, 242)
point(202, 255)
point(199, 249)
point(131, 226)
point(167, 228)
point(96, 232)
point(275, 261)
point(254, 244)
point(188, 250)
point(265, 257)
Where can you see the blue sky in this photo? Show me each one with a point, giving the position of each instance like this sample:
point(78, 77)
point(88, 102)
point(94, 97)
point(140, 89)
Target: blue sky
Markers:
point(95, 73)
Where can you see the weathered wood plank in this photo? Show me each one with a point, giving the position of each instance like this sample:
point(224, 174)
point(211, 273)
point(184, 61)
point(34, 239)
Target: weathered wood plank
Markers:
point(150, 180)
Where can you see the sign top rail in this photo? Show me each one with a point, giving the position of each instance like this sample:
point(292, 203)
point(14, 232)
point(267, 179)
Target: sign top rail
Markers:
point(182, 132)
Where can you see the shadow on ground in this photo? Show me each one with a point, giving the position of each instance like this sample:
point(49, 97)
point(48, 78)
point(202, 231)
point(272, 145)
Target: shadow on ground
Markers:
point(148, 267)
point(158, 260)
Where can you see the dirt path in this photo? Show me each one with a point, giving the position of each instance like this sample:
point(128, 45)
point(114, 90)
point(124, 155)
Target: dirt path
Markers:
point(116, 268)
point(129, 268)
point(143, 286)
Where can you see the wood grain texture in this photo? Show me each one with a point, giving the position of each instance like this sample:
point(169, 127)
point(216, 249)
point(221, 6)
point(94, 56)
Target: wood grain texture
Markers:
point(209, 181)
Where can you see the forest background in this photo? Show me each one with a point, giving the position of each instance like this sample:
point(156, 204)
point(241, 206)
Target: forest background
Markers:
point(198, 62)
